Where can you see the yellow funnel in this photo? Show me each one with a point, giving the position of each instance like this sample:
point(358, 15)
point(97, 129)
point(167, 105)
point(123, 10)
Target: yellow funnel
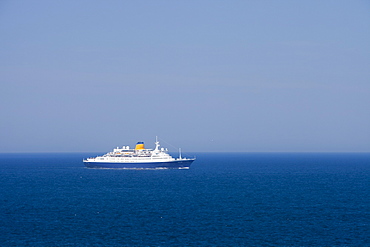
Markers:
point(139, 145)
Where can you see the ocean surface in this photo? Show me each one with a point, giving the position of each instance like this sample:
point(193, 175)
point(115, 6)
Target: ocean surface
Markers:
point(225, 199)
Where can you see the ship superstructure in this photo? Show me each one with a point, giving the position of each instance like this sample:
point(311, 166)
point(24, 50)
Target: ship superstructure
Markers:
point(139, 157)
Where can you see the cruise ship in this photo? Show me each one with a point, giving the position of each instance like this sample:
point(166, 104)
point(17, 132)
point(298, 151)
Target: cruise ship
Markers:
point(139, 158)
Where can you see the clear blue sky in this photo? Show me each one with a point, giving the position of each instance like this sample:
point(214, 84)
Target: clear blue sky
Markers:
point(202, 75)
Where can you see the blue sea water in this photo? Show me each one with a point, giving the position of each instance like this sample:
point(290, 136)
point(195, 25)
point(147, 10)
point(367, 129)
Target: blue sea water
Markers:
point(225, 199)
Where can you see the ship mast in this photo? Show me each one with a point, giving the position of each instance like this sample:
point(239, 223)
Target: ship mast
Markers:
point(156, 144)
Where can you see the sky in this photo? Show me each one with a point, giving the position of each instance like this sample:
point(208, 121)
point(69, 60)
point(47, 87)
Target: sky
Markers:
point(206, 76)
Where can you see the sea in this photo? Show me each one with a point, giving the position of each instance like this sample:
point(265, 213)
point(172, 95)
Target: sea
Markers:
point(224, 199)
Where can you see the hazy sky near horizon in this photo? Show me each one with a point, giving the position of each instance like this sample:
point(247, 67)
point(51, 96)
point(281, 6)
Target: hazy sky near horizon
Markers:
point(202, 75)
